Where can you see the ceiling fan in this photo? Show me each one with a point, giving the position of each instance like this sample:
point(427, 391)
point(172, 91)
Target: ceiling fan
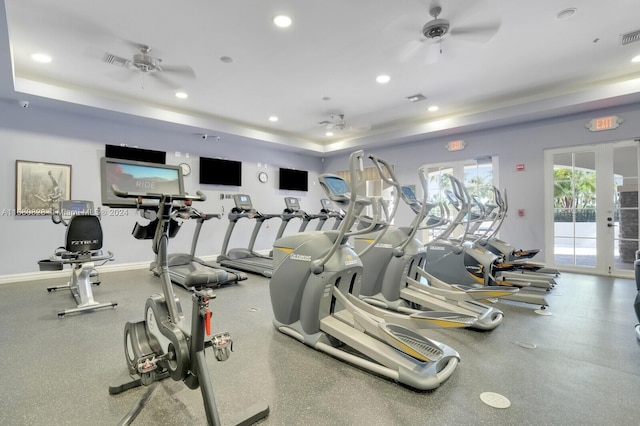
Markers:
point(339, 123)
point(438, 29)
point(143, 62)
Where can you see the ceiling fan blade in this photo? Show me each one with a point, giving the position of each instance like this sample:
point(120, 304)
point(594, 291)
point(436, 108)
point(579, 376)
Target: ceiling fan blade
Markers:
point(183, 70)
point(139, 47)
point(478, 33)
point(434, 52)
point(409, 50)
point(163, 80)
point(118, 61)
point(123, 76)
point(465, 10)
point(362, 127)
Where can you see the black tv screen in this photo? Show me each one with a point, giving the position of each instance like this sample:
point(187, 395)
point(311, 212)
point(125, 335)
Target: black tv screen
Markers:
point(135, 154)
point(137, 177)
point(215, 171)
point(295, 180)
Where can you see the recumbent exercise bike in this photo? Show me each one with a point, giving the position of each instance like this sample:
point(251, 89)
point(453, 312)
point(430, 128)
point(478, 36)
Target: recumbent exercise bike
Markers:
point(82, 250)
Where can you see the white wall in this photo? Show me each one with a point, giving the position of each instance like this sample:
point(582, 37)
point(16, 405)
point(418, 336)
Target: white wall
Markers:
point(37, 134)
point(518, 144)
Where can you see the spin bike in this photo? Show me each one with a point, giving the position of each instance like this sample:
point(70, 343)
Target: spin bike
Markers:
point(162, 345)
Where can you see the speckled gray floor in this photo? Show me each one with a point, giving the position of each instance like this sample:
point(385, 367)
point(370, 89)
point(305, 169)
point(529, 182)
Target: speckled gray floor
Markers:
point(584, 371)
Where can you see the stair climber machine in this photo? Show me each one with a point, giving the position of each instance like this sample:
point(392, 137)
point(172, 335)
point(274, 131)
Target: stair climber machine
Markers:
point(312, 302)
point(82, 250)
point(496, 213)
point(246, 259)
point(476, 215)
point(459, 261)
point(188, 270)
point(394, 278)
point(163, 344)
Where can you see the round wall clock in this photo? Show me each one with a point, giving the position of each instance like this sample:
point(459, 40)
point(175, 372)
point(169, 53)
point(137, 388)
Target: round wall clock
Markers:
point(186, 169)
point(263, 177)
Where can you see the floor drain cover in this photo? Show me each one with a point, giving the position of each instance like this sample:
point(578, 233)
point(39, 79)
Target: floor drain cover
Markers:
point(495, 400)
point(526, 345)
point(543, 312)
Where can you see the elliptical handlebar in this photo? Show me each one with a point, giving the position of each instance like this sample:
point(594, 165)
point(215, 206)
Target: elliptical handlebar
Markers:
point(356, 174)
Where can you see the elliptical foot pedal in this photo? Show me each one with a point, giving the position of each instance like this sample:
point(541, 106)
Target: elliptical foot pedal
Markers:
point(411, 343)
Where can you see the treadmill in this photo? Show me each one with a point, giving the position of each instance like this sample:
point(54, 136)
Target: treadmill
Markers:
point(191, 272)
point(246, 259)
point(329, 211)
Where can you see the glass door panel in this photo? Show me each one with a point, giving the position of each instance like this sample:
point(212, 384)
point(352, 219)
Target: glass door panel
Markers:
point(574, 186)
point(625, 219)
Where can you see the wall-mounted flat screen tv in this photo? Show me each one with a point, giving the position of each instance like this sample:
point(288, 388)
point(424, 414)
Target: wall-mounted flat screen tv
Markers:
point(295, 180)
point(138, 177)
point(135, 154)
point(216, 171)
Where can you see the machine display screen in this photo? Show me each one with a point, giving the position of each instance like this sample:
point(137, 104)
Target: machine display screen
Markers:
point(408, 192)
point(243, 202)
point(138, 177)
point(292, 203)
point(336, 185)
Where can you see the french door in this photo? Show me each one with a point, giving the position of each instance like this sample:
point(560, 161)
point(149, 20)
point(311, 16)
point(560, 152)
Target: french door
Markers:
point(592, 207)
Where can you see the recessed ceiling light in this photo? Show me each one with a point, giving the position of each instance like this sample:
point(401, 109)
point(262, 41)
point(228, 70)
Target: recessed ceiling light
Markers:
point(181, 95)
point(382, 79)
point(329, 133)
point(41, 57)
point(273, 118)
point(282, 21)
point(566, 13)
point(434, 108)
point(635, 59)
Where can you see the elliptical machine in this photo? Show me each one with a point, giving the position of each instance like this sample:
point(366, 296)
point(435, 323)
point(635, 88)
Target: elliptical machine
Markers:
point(162, 345)
point(82, 250)
point(394, 277)
point(311, 294)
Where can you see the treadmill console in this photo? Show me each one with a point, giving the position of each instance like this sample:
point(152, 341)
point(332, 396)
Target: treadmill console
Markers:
point(327, 206)
point(243, 202)
point(292, 203)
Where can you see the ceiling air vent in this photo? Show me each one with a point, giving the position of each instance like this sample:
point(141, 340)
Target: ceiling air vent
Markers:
point(416, 98)
point(629, 38)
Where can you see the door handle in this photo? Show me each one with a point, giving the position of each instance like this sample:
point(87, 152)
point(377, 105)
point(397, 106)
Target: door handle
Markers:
point(610, 225)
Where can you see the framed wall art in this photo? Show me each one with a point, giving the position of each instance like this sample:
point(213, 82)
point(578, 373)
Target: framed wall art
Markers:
point(39, 186)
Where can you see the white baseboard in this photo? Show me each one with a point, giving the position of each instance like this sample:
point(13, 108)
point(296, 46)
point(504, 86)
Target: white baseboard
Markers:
point(45, 275)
